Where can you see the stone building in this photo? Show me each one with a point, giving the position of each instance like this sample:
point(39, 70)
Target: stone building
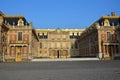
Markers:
point(21, 39)
point(58, 43)
point(102, 38)
point(3, 37)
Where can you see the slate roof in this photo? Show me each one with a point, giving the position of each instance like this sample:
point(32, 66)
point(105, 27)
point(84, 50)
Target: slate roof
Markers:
point(112, 19)
point(14, 19)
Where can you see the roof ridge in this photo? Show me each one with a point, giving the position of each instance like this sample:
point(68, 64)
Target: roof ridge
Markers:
point(13, 16)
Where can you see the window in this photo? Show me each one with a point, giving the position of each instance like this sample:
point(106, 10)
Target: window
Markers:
point(40, 51)
point(53, 37)
point(114, 37)
point(72, 45)
point(64, 45)
point(38, 34)
point(25, 37)
point(109, 37)
point(20, 22)
point(58, 45)
point(52, 45)
point(19, 36)
point(64, 37)
point(45, 45)
point(40, 45)
point(58, 37)
point(76, 45)
point(25, 50)
point(73, 34)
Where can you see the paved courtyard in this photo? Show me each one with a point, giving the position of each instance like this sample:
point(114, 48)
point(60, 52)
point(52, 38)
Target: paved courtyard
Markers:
point(61, 70)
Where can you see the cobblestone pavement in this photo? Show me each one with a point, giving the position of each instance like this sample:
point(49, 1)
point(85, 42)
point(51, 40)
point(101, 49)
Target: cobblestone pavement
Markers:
point(61, 70)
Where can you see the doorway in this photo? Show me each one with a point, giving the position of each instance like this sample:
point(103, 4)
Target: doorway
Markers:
point(58, 54)
point(110, 48)
point(18, 54)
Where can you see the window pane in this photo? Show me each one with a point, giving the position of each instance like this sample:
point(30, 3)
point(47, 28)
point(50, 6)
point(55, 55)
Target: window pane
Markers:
point(19, 36)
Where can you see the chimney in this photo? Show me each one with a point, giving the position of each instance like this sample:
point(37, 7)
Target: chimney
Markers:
point(113, 14)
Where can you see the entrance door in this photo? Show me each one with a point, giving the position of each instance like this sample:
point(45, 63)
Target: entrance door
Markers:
point(58, 53)
point(19, 54)
point(110, 52)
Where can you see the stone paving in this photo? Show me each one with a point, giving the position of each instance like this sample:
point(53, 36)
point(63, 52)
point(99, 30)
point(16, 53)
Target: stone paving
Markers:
point(61, 70)
point(67, 59)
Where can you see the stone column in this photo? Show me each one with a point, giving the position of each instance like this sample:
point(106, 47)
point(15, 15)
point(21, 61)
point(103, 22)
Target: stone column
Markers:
point(112, 52)
point(117, 50)
point(69, 55)
point(16, 52)
point(107, 49)
point(99, 44)
point(15, 49)
point(1, 50)
point(104, 49)
point(0, 41)
point(22, 51)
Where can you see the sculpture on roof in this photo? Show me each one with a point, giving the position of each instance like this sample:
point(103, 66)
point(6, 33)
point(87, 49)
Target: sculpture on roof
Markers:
point(106, 22)
point(20, 22)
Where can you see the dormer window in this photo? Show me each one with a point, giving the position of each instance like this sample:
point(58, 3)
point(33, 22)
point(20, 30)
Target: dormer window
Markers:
point(20, 22)
point(106, 22)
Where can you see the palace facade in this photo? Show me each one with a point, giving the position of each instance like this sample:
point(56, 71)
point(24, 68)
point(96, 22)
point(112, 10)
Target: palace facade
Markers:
point(18, 38)
point(3, 37)
point(58, 43)
point(102, 38)
point(20, 41)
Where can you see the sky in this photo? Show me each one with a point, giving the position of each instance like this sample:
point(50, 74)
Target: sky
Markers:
point(66, 14)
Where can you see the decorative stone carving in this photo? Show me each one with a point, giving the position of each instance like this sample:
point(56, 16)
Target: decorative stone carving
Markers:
point(97, 25)
point(106, 22)
point(112, 23)
point(30, 24)
point(58, 30)
point(20, 22)
point(13, 23)
point(5, 22)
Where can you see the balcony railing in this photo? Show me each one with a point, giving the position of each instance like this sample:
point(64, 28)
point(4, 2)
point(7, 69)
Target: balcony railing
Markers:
point(21, 27)
point(19, 42)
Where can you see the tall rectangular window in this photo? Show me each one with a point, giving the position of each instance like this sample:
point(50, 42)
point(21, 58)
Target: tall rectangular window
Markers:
point(76, 45)
point(52, 45)
point(19, 36)
point(40, 45)
point(45, 45)
point(109, 36)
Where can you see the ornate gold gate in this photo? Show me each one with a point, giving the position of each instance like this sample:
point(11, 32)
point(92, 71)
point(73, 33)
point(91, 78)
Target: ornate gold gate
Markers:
point(18, 54)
